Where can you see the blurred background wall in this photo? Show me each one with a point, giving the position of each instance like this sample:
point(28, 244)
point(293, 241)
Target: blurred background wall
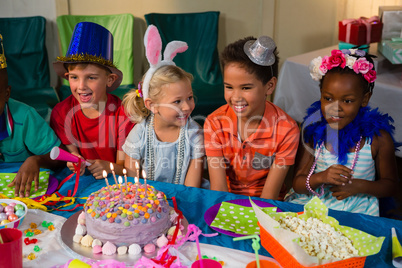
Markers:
point(296, 26)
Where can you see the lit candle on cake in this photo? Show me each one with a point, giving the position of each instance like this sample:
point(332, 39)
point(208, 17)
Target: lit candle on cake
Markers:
point(114, 175)
point(125, 179)
point(121, 188)
point(144, 176)
point(137, 167)
point(107, 182)
point(137, 183)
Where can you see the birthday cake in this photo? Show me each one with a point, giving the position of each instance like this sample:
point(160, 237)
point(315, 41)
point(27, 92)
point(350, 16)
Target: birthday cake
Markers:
point(125, 215)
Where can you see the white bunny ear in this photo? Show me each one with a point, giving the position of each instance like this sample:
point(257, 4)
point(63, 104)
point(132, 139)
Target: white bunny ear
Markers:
point(153, 45)
point(172, 48)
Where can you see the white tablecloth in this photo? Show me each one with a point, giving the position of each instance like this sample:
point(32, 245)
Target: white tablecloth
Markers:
point(296, 90)
point(54, 252)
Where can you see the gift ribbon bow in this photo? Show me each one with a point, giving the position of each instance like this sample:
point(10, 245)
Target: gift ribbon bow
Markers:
point(363, 20)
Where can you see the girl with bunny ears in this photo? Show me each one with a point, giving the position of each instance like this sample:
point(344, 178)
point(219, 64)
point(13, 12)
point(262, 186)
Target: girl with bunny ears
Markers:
point(167, 143)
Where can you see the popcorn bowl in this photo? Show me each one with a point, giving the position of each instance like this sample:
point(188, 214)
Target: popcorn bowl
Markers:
point(16, 223)
point(283, 244)
point(287, 260)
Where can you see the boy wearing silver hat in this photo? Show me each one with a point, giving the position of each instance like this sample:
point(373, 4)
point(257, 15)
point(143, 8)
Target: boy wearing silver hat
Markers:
point(250, 143)
point(24, 137)
point(91, 122)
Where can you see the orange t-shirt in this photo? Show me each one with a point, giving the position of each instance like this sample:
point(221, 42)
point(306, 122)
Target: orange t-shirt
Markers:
point(248, 163)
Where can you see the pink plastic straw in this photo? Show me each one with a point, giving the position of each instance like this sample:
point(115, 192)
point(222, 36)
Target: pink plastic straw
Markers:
point(199, 252)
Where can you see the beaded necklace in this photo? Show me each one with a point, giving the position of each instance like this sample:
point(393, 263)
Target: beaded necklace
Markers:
point(315, 163)
point(150, 153)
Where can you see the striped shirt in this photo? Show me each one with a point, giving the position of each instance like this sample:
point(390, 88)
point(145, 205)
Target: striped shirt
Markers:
point(364, 169)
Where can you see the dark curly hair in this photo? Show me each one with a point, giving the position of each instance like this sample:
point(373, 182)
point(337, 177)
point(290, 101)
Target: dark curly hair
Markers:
point(234, 53)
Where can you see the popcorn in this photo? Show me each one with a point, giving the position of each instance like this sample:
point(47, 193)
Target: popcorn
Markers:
point(320, 239)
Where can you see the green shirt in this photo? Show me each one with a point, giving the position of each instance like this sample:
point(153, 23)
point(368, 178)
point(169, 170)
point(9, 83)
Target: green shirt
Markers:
point(29, 134)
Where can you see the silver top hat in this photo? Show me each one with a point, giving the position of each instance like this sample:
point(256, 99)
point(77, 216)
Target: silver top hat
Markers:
point(261, 51)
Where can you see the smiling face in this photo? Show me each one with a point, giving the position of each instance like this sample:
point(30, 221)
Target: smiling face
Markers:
point(341, 98)
point(244, 93)
point(88, 83)
point(175, 104)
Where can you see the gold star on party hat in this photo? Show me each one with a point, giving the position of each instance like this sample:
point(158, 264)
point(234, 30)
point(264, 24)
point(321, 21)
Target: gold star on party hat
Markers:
point(3, 63)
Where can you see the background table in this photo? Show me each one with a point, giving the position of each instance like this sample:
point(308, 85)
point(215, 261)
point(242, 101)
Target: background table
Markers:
point(296, 90)
point(194, 202)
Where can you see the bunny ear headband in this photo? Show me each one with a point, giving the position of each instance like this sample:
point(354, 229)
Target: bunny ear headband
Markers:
point(153, 49)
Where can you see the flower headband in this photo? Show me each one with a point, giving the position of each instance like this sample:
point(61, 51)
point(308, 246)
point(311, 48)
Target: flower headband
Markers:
point(153, 48)
point(351, 58)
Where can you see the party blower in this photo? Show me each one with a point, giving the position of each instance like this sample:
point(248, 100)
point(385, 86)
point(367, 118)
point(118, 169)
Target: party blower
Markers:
point(59, 154)
point(396, 249)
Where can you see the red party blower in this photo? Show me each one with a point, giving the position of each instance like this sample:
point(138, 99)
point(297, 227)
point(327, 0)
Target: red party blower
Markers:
point(59, 154)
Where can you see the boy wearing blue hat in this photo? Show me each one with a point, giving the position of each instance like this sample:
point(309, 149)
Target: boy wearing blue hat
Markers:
point(91, 122)
point(24, 137)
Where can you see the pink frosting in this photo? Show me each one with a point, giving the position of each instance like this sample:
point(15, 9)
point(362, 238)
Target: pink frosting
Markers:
point(149, 248)
point(97, 249)
point(126, 229)
point(162, 241)
point(109, 248)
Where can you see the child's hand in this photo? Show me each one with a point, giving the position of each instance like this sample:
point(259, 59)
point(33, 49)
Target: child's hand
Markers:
point(70, 165)
point(337, 175)
point(28, 172)
point(344, 191)
point(97, 167)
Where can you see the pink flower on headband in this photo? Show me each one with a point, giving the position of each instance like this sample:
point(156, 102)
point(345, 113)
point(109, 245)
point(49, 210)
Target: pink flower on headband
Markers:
point(324, 65)
point(370, 76)
point(336, 59)
point(345, 58)
point(362, 66)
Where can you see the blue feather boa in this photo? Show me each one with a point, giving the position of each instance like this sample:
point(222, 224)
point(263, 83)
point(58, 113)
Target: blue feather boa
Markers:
point(367, 124)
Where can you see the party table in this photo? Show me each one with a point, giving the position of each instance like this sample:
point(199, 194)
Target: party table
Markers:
point(296, 90)
point(194, 202)
point(54, 253)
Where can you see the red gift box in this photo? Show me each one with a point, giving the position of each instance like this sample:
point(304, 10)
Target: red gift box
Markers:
point(360, 31)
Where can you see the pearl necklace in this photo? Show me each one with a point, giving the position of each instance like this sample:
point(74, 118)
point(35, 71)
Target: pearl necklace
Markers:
point(315, 163)
point(150, 153)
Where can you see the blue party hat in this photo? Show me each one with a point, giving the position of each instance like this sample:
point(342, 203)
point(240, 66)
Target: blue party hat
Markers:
point(90, 43)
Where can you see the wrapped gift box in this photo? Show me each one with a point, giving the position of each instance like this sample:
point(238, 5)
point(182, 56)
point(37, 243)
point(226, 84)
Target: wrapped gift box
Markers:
point(391, 17)
point(392, 50)
point(360, 31)
point(381, 64)
point(344, 45)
